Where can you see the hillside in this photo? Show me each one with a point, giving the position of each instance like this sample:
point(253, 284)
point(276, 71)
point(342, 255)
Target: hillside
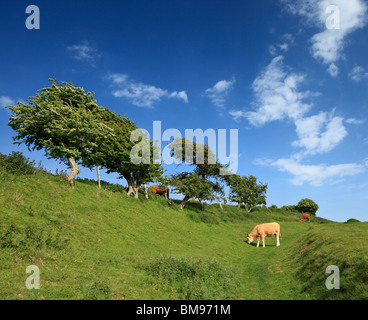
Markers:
point(92, 243)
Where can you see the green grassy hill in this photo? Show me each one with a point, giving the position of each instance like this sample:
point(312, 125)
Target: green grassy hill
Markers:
point(92, 243)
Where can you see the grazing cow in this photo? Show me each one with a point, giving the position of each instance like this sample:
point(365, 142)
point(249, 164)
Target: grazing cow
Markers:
point(265, 230)
point(305, 216)
point(160, 190)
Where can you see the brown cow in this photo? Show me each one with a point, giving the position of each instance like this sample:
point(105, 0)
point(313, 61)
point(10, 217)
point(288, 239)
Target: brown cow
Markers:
point(304, 217)
point(160, 190)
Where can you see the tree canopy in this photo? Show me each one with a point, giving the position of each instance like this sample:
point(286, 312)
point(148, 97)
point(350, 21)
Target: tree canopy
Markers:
point(68, 124)
point(117, 154)
point(307, 205)
point(204, 182)
point(191, 185)
point(60, 119)
point(246, 190)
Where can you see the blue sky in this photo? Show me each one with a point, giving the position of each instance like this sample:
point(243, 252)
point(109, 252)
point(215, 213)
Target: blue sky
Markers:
point(295, 87)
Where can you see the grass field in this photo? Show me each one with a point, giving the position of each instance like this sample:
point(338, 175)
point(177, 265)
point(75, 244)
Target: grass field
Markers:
point(92, 243)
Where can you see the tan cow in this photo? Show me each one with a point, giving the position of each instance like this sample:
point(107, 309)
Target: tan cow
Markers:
point(265, 230)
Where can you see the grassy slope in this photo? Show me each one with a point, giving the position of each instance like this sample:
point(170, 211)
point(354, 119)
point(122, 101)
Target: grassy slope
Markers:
point(91, 243)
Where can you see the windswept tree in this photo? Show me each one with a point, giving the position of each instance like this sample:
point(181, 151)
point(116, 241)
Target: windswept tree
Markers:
point(128, 152)
point(247, 190)
point(204, 182)
point(235, 183)
point(192, 186)
point(62, 120)
point(137, 175)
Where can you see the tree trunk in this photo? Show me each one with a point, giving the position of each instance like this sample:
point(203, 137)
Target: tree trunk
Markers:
point(98, 177)
point(238, 204)
point(145, 191)
point(133, 189)
point(130, 190)
point(74, 171)
point(136, 192)
point(167, 193)
point(220, 205)
point(182, 204)
point(201, 202)
point(247, 208)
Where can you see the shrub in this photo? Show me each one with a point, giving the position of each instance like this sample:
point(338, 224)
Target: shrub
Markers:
point(214, 215)
point(16, 163)
point(307, 206)
point(31, 237)
point(289, 208)
point(195, 279)
point(255, 209)
point(205, 217)
point(352, 220)
point(100, 290)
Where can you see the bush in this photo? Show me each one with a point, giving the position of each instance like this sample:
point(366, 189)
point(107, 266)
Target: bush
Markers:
point(100, 290)
point(289, 208)
point(31, 237)
point(213, 215)
point(194, 279)
point(16, 163)
point(205, 217)
point(352, 220)
point(307, 206)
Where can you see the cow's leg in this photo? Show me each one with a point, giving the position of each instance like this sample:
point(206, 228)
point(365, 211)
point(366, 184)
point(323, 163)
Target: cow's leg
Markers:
point(263, 241)
point(277, 239)
point(257, 243)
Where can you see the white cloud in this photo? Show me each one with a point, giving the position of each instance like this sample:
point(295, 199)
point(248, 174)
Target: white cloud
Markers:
point(6, 101)
point(272, 50)
point(84, 51)
point(327, 45)
point(284, 46)
point(277, 96)
point(180, 95)
point(219, 91)
point(118, 78)
point(140, 94)
point(237, 114)
point(333, 70)
point(320, 133)
point(286, 40)
point(354, 121)
point(358, 73)
point(317, 175)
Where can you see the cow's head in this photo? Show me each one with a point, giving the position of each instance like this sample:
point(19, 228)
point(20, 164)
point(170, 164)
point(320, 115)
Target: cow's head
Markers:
point(249, 238)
